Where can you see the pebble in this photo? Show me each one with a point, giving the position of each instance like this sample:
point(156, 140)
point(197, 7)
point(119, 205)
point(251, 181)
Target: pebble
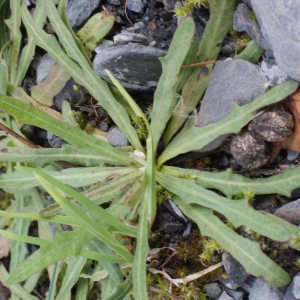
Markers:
point(292, 155)
point(54, 140)
point(262, 290)
point(236, 295)
point(103, 45)
point(231, 81)
point(290, 212)
point(139, 25)
point(273, 73)
point(293, 291)
point(136, 67)
point(212, 290)
point(225, 296)
point(243, 22)
point(279, 22)
point(79, 11)
point(44, 67)
point(135, 5)
point(116, 138)
point(127, 37)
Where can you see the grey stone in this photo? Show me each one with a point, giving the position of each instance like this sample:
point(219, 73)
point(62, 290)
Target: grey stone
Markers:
point(272, 72)
point(236, 295)
point(136, 67)
point(116, 138)
point(135, 5)
point(296, 286)
point(279, 22)
point(212, 290)
point(103, 127)
point(103, 45)
point(68, 93)
point(228, 48)
point(292, 155)
point(79, 11)
point(262, 290)
point(127, 37)
point(44, 67)
point(269, 54)
point(236, 273)
point(243, 22)
point(248, 284)
point(139, 25)
point(290, 212)
point(231, 81)
point(225, 296)
point(54, 140)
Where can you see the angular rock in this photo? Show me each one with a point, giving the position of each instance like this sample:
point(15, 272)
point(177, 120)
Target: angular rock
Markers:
point(262, 290)
point(116, 138)
point(231, 81)
point(127, 37)
point(54, 140)
point(293, 291)
point(243, 22)
point(272, 72)
point(248, 284)
point(136, 67)
point(79, 11)
point(212, 290)
point(236, 273)
point(236, 295)
point(279, 22)
point(44, 67)
point(290, 212)
point(224, 296)
point(135, 5)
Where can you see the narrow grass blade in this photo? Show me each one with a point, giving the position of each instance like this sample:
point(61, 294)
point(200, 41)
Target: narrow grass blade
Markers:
point(28, 114)
point(245, 251)
point(164, 100)
point(101, 233)
point(98, 210)
point(237, 211)
point(196, 138)
point(231, 184)
point(141, 251)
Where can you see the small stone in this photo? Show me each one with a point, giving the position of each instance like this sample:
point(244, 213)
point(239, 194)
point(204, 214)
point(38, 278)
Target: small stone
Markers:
point(296, 286)
point(231, 81)
point(28, 130)
point(139, 25)
point(54, 140)
point(248, 151)
point(136, 67)
point(243, 22)
point(135, 5)
point(236, 273)
point(275, 125)
point(103, 127)
point(248, 284)
point(152, 44)
point(272, 72)
point(228, 48)
point(292, 155)
point(290, 212)
point(262, 290)
point(236, 295)
point(169, 5)
point(116, 138)
point(212, 290)
point(103, 45)
point(79, 11)
point(279, 22)
point(225, 296)
point(127, 37)
point(44, 67)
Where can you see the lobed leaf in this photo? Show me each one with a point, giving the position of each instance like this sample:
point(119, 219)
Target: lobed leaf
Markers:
point(248, 253)
point(231, 184)
point(198, 137)
point(237, 211)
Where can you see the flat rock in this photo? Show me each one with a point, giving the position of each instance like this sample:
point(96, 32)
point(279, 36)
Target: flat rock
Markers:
point(116, 138)
point(79, 11)
point(136, 67)
point(273, 73)
point(290, 212)
point(262, 290)
point(243, 22)
point(279, 22)
point(231, 81)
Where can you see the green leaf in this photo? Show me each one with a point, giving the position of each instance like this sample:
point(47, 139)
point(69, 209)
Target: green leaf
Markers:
point(251, 53)
point(28, 114)
point(87, 222)
point(231, 184)
point(196, 138)
point(76, 177)
point(64, 244)
point(164, 100)
point(237, 211)
point(219, 23)
point(248, 253)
